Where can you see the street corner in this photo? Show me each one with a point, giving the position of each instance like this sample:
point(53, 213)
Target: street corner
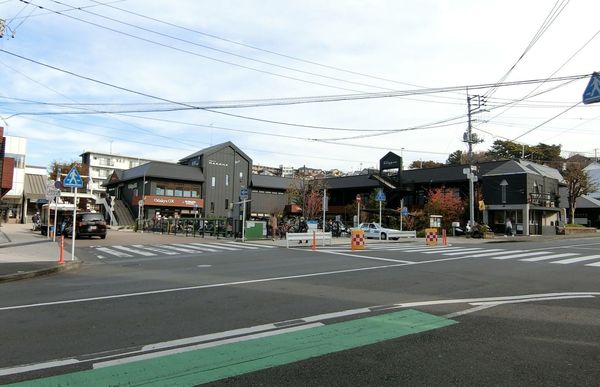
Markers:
point(10, 272)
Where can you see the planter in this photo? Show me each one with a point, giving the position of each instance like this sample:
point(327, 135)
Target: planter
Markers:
point(577, 230)
point(488, 235)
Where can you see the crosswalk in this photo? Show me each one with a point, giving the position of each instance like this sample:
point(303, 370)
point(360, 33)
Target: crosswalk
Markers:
point(558, 256)
point(172, 249)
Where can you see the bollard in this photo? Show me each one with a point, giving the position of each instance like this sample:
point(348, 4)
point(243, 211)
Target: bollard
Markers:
point(61, 251)
point(314, 241)
point(444, 239)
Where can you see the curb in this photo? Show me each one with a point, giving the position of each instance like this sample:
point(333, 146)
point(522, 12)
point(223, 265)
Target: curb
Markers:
point(17, 244)
point(40, 272)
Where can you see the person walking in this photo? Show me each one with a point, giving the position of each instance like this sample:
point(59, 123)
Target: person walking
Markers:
point(508, 230)
point(273, 223)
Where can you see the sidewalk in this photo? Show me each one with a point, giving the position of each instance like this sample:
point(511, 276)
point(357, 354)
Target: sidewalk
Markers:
point(27, 254)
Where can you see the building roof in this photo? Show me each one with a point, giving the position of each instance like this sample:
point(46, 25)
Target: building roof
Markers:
point(35, 186)
point(517, 167)
point(159, 169)
point(585, 201)
point(447, 173)
point(272, 182)
point(593, 171)
point(215, 148)
point(358, 181)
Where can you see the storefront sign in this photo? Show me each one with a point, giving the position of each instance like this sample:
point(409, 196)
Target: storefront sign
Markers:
point(169, 201)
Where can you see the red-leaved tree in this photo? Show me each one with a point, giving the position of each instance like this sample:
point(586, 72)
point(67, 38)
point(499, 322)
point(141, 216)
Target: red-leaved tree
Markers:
point(444, 202)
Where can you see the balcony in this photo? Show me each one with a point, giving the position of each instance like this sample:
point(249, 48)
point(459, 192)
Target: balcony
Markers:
point(543, 199)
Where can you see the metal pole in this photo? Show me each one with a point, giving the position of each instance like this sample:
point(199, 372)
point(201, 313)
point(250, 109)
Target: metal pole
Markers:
point(48, 223)
point(73, 228)
point(244, 221)
point(55, 217)
point(401, 210)
point(471, 200)
point(381, 224)
point(324, 204)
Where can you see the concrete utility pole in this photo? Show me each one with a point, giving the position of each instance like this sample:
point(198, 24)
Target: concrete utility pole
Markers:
point(470, 140)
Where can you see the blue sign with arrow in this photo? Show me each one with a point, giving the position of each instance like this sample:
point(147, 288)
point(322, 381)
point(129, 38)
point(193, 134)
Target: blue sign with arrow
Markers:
point(73, 179)
point(592, 91)
point(380, 196)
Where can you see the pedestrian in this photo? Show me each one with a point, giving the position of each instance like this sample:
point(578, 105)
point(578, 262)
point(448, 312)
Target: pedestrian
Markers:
point(273, 223)
point(508, 230)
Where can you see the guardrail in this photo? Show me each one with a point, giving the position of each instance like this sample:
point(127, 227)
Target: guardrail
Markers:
point(402, 234)
point(308, 236)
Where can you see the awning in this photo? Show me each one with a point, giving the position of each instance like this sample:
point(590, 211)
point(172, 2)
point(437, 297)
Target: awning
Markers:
point(35, 186)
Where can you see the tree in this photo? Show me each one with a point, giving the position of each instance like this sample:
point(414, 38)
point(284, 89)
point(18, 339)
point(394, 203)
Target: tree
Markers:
point(444, 202)
point(419, 164)
point(542, 153)
point(578, 184)
point(58, 170)
point(308, 194)
point(457, 157)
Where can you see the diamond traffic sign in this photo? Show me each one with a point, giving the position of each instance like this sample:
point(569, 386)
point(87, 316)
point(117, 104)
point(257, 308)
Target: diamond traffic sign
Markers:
point(592, 91)
point(380, 197)
point(73, 179)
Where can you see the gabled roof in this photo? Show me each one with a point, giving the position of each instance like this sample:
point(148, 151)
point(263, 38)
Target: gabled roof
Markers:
point(158, 169)
point(585, 201)
point(358, 181)
point(518, 167)
point(213, 149)
point(270, 182)
point(446, 174)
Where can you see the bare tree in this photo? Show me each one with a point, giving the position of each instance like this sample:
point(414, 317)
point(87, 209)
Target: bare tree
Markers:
point(578, 184)
point(308, 194)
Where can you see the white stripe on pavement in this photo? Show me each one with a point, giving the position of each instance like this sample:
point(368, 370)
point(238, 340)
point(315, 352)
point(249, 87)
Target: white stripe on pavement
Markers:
point(442, 249)
point(252, 244)
point(113, 252)
point(240, 245)
point(469, 250)
point(596, 264)
point(216, 246)
point(547, 257)
point(494, 252)
point(135, 251)
point(578, 259)
point(523, 255)
point(171, 247)
point(200, 248)
point(156, 249)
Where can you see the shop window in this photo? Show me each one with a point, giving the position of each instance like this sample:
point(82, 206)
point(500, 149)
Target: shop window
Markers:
point(179, 192)
point(168, 191)
point(187, 193)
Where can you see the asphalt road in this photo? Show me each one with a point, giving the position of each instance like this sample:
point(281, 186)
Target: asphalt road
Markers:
point(516, 313)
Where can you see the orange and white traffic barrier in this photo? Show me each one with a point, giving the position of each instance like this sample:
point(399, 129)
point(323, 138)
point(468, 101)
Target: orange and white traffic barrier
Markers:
point(358, 240)
point(61, 251)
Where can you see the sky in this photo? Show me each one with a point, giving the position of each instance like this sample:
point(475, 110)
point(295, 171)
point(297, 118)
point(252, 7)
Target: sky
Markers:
point(326, 84)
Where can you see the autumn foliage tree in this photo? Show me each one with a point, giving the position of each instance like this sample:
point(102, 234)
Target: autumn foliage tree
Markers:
point(444, 202)
point(307, 194)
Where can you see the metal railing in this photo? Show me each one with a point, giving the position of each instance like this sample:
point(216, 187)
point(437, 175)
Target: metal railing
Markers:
point(191, 227)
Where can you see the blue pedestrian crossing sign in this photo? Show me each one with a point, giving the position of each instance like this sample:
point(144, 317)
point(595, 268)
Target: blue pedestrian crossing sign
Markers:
point(244, 193)
point(380, 197)
point(592, 91)
point(73, 179)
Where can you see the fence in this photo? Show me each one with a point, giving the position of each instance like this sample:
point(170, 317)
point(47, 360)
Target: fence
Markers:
point(192, 227)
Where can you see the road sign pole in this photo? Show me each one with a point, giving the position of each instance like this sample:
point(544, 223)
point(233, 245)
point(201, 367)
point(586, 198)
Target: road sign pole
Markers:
point(55, 217)
point(381, 224)
point(401, 212)
point(244, 221)
point(73, 228)
point(324, 205)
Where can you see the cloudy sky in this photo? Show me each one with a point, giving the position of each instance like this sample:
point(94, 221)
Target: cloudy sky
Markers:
point(327, 84)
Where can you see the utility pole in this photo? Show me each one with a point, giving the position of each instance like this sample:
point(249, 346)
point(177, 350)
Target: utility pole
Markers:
point(472, 108)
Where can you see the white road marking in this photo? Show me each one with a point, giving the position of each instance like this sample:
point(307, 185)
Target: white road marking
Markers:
point(548, 257)
point(215, 245)
point(470, 310)
point(596, 264)
point(494, 252)
point(116, 253)
point(35, 367)
point(195, 247)
point(156, 249)
point(469, 250)
point(367, 257)
point(243, 245)
point(522, 255)
point(171, 247)
point(442, 249)
point(578, 259)
point(134, 251)
point(259, 245)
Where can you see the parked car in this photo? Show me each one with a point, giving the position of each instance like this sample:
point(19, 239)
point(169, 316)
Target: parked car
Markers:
point(90, 224)
point(374, 230)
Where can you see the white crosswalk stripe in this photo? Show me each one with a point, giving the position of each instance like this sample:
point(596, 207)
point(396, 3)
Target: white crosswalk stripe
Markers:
point(242, 245)
point(494, 252)
point(156, 249)
point(195, 247)
point(216, 246)
point(135, 251)
point(548, 257)
point(521, 255)
point(176, 248)
point(596, 264)
point(463, 251)
point(116, 253)
point(258, 245)
point(577, 259)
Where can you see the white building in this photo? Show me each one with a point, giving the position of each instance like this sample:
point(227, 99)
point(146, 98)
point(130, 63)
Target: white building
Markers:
point(101, 166)
point(12, 202)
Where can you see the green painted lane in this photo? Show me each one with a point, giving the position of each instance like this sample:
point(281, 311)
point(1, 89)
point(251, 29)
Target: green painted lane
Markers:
point(220, 362)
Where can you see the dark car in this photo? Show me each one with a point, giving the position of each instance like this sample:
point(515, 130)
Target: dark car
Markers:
point(90, 224)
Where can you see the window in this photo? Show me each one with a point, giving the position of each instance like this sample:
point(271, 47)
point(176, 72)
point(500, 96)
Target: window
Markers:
point(212, 206)
point(227, 180)
point(179, 191)
point(241, 176)
point(213, 181)
point(226, 204)
point(160, 190)
point(169, 191)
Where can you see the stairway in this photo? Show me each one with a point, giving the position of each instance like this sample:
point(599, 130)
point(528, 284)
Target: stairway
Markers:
point(123, 214)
